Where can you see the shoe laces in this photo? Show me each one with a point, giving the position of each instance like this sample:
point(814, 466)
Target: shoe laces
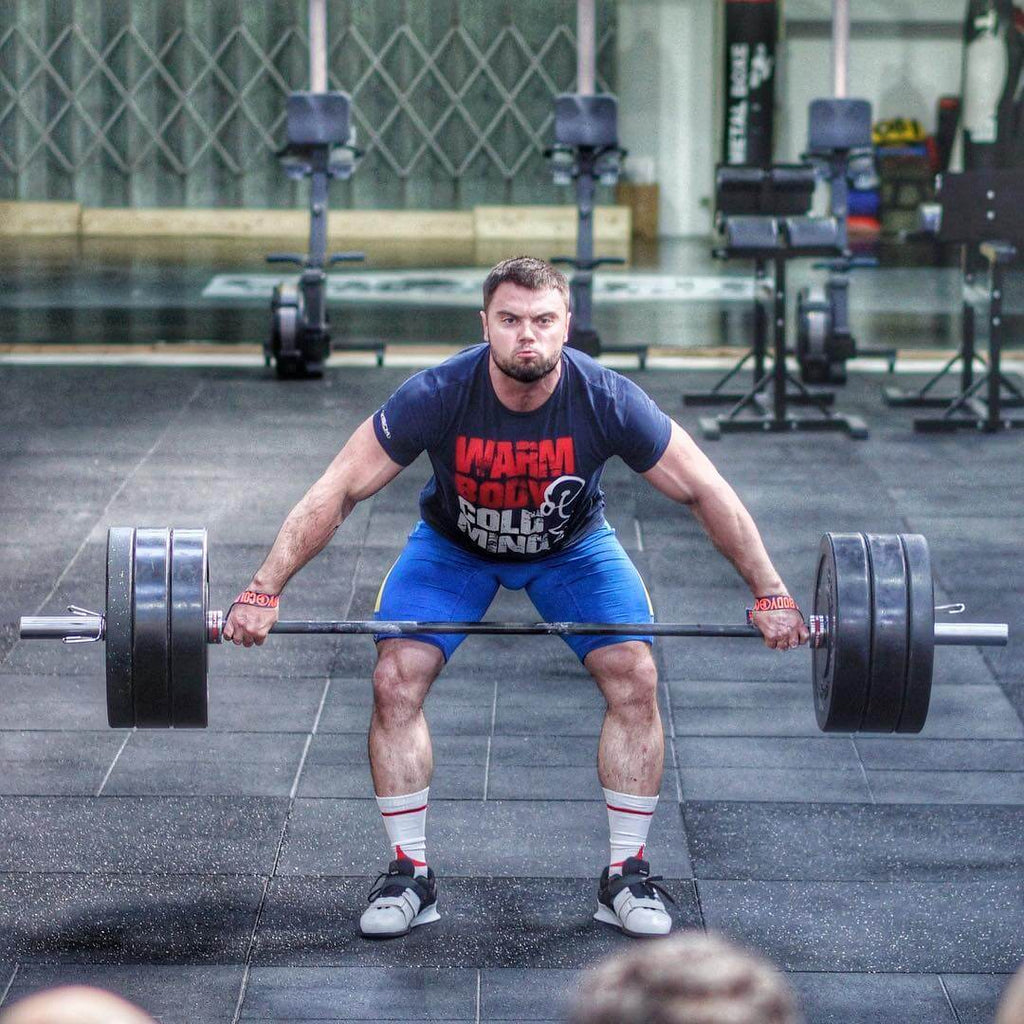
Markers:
point(381, 882)
point(646, 885)
point(650, 887)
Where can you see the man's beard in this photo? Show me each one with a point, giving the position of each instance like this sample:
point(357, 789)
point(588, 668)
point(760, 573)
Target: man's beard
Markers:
point(526, 373)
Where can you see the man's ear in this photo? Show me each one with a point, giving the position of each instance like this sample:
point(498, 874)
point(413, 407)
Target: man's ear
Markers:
point(483, 323)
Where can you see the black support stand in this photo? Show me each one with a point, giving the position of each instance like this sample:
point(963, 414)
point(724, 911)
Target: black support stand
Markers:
point(768, 192)
point(969, 408)
point(774, 416)
point(976, 207)
point(757, 351)
point(587, 151)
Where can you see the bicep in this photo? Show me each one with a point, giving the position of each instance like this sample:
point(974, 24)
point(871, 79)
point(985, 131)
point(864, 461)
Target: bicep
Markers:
point(362, 467)
point(684, 472)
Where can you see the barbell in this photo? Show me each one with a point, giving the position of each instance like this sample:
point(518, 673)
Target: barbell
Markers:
point(872, 630)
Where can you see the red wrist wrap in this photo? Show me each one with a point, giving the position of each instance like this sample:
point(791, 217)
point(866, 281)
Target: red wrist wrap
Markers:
point(773, 603)
point(258, 599)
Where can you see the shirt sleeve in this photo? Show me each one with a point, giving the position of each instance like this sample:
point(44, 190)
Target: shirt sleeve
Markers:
point(639, 431)
point(407, 422)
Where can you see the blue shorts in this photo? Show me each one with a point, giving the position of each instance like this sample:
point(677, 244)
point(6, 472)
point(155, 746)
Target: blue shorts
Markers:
point(435, 580)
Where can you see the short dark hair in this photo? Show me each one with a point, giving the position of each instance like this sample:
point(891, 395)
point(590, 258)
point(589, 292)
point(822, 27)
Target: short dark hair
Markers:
point(527, 272)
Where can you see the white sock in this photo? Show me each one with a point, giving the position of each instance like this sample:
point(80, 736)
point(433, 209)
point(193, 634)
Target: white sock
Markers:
point(405, 819)
point(629, 820)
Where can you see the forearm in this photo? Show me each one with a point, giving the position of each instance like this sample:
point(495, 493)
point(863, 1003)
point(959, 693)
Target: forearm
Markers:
point(732, 531)
point(304, 534)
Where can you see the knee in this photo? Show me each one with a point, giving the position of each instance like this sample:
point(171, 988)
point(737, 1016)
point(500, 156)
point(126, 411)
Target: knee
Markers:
point(399, 689)
point(629, 680)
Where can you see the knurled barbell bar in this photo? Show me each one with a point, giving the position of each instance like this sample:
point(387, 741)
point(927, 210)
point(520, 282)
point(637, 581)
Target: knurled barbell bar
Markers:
point(873, 630)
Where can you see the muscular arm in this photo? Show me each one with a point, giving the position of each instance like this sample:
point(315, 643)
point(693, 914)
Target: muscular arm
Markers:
point(685, 474)
point(358, 471)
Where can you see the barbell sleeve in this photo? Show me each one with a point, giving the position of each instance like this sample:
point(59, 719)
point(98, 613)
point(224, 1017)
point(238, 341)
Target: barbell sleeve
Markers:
point(69, 628)
point(972, 634)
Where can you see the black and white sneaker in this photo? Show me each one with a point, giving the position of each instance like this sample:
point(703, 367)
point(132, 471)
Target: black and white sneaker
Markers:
point(399, 902)
point(631, 901)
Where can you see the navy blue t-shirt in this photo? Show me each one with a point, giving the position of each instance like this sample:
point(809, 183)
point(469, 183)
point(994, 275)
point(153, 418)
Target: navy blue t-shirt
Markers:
point(518, 485)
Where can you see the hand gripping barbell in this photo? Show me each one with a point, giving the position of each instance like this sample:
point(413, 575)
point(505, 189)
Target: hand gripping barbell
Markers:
point(873, 630)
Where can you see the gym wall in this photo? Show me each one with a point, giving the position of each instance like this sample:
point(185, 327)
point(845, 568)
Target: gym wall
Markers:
point(180, 103)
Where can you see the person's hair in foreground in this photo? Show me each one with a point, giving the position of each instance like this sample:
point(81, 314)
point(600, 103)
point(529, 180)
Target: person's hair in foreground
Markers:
point(1011, 1006)
point(690, 978)
point(74, 1004)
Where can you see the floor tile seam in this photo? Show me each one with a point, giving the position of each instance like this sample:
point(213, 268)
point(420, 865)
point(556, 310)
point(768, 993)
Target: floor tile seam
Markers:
point(886, 805)
point(131, 874)
point(117, 492)
point(309, 741)
point(476, 1016)
point(949, 1001)
point(995, 672)
point(883, 974)
point(818, 771)
point(145, 797)
point(546, 799)
point(848, 769)
point(490, 742)
point(810, 735)
point(242, 991)
point(1009, 880)
point(251, 946)
point(120, 750)
point(587, 880)
point(261, 906)
point(659, 655)
point(700, 903)
point(10, 984)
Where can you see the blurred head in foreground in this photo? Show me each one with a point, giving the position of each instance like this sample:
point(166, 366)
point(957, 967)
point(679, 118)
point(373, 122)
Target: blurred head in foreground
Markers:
point(1011, 1007)
point(690, 978)
point(74, 1004)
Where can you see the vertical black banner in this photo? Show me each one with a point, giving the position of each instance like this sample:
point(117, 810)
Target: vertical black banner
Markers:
point(751, 36)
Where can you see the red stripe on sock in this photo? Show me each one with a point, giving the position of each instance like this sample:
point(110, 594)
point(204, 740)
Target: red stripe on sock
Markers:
point(412, 810)
point(399, 852)
point(629, 810)
point(619, 863)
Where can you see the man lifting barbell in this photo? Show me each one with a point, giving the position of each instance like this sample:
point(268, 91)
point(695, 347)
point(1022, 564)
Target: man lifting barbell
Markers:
point(517, 430)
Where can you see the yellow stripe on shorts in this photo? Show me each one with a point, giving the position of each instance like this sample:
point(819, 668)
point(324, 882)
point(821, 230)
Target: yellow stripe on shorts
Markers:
point(383, 584)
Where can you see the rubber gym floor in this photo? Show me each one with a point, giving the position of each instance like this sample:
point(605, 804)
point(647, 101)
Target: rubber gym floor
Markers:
point(218, 875)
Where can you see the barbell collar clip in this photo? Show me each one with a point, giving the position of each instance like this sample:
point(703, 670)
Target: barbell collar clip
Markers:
point(84, 613)
point(214, 626)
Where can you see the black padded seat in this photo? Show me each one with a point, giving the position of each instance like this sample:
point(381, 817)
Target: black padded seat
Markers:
point(590, 121)
point(793, 177)
point(812, 236)
point(838, 125)
point(753, 237)
point(318, 118)
point(783, 189)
